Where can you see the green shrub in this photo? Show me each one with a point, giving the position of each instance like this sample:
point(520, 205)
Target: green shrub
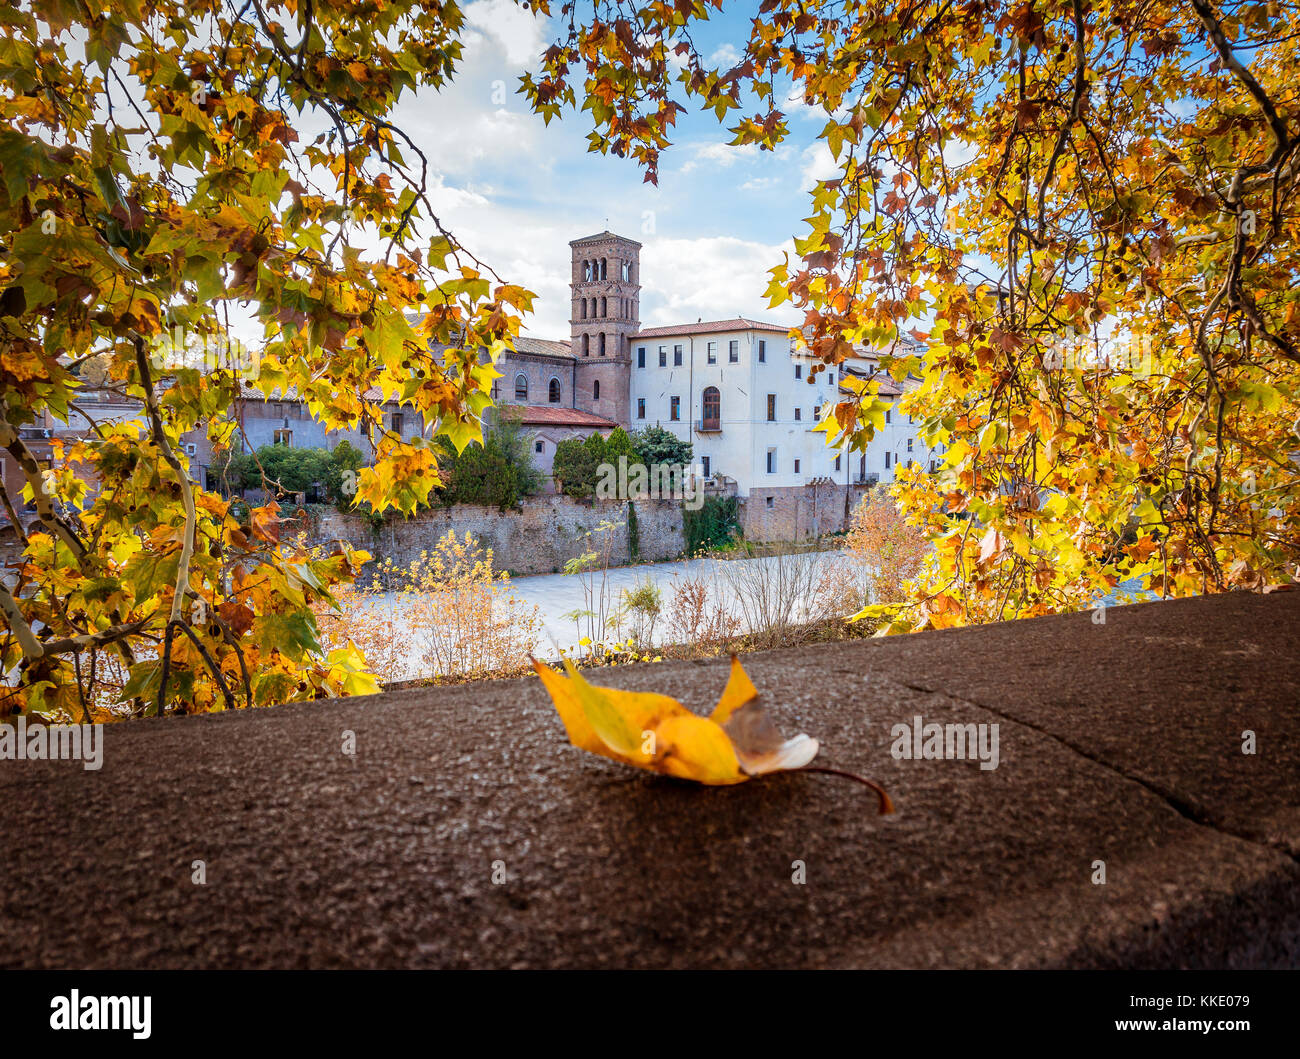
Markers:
point(578, 460)
point(577, 465)
point(714, 525)
point(278, 469)
point(340, 482)
point(655, 445)
point(633, 532)
point(498, 472)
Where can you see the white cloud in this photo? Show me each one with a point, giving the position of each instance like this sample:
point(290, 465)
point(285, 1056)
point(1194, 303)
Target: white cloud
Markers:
point(498, 182)
point(521, 247)
point(520, 33)
point(818, 164)
point(479, 120)
point(710, 278)
point(718, 154)
point(724, 56)
point(794, 103)
point(958, 153)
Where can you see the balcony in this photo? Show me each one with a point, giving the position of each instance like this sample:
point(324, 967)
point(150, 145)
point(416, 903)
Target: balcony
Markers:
point(708, 426)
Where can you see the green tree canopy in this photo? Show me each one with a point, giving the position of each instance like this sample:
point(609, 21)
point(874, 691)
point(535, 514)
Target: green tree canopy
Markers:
point(499, 471)
point(576, 465)
point(655, 445)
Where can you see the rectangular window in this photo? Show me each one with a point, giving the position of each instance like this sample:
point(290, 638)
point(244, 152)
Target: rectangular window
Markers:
point(713, 352)
point(705, 461)
point(796, 466)
point(677, 356)
point(762, 352)
point(771, 461)
point(771, 408)
point(817, 412)
point(889, 415)
point(538, 446)
point(837, 463)
point(798, 371)
point(674, 408)
point(283, 437)
point(798, 413)
point(909, 444)
point(663, 356)
point(640, 408)
point(886, 461)
point(640, 356)
point(398, 423)
point(771, 501)
point(733, 352)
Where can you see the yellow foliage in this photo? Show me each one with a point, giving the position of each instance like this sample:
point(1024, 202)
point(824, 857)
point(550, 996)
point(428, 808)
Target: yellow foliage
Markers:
point(447, 616)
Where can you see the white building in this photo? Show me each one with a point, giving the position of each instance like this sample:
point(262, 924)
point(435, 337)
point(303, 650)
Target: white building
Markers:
point(748, 404)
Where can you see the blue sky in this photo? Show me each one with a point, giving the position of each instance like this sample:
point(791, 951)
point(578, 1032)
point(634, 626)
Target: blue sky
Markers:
point(515, 191)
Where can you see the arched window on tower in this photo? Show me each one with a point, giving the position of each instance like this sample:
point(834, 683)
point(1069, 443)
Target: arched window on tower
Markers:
point(604, 306)
point(595, 390)
point(554, 395)
point(521, 387)
point(712, 408)
point(584, 308)
point(602, 343)
point(586, 345)
point(604, 268)
point(586, 271)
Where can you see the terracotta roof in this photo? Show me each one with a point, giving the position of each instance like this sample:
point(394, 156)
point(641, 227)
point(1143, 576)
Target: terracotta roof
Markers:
point(606, 234)
point(543, 347)
point(737, 323)
point(553, 416)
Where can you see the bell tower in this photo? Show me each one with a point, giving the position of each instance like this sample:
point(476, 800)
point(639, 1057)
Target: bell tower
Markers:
point(606, 310)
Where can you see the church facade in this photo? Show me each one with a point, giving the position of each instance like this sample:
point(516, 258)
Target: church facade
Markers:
point(736, 389)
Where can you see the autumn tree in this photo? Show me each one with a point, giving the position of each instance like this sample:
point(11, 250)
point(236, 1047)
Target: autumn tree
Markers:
point(1086, 212)
point(886, 545)
point(167, 170)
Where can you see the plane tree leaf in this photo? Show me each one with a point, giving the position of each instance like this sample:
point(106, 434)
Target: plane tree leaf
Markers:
point(735, 743)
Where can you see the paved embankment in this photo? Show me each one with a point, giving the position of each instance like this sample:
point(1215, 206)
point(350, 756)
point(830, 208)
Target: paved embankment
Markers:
point(1118, 743)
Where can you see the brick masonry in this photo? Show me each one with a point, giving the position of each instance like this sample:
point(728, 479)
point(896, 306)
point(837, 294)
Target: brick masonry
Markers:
point(790, 513)
point(538, 539)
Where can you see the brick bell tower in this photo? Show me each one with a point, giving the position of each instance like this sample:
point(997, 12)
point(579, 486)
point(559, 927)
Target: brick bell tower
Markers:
point(606, 310)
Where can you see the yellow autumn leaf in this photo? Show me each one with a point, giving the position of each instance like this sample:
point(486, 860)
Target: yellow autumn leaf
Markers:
point(737, 742)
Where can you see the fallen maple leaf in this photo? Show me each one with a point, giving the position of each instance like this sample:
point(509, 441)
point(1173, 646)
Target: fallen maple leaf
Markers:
point(735, 743)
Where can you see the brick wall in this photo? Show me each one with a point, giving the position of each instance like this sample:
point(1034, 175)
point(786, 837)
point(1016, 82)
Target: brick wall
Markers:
point(798, 512)
point(539, 539)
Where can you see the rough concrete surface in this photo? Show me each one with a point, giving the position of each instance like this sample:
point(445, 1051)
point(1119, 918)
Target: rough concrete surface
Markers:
point(1119, 743)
